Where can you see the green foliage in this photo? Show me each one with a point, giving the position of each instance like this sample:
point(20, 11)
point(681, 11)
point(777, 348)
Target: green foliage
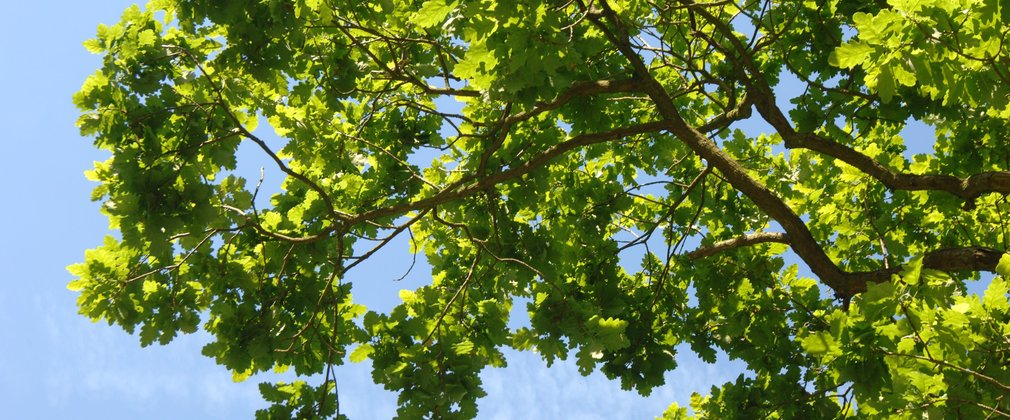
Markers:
point(917, 347)
point(599, 169)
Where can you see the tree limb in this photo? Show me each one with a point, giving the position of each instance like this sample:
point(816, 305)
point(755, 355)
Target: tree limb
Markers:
point(974, 258)
point(968, 188)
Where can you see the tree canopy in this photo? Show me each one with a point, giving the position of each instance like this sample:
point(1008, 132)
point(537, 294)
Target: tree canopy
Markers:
point(624, 168)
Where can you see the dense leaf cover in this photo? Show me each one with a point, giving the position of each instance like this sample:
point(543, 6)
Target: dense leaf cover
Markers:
point(599, 170)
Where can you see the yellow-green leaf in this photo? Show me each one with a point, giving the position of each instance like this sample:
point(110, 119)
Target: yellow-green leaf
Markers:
point(94, 46)
point(145, 38)
point(850, 55)
point(433, 13)
point(820, 343)
point(361, 353)
point(1003, 267)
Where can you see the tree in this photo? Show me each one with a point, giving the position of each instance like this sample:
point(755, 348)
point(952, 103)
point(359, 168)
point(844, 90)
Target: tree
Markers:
point(604, 168)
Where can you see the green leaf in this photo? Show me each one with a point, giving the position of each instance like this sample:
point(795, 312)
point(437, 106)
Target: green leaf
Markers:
point(876, 292)
point(433, 13)
point(911, 272)
point(94, 46)
point(476, 65)
point(926, 383)
point(463, 347)
point(151, 286)
point(675, 412)
point(146, 38)
point(610, 332)
point(878, 300)
point(1003, 267)
point(911, 6)
point(361, 353)
point(586, 359)
point(820, 343)
point(271, 220)
point(885, 84)
point(77, 285)
point(995, 296)
point(241, 376)
point(850, 55)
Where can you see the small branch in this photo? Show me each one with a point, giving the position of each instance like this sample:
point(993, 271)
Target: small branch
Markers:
point(471, 185)
point(992, 410)
point(942, 363)
point(396, 73)
point(482, 245)
point(466, 281)
point(185, 257)
point(219, 93)
point(575, 90)
point(392, 155)
point(386, 240)
point(741, 111)
point(670, 210)
point(739, 242)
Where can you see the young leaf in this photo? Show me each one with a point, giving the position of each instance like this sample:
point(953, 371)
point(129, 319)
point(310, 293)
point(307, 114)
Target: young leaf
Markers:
point(850, 54)
point(361, 353)
point(433, 13)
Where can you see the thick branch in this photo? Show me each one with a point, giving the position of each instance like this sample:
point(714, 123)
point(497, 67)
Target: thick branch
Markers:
point(948, 260)
point(973, 258)
point(966, 188)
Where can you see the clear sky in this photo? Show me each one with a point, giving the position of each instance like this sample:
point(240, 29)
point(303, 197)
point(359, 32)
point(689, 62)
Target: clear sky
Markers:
point(57, 364)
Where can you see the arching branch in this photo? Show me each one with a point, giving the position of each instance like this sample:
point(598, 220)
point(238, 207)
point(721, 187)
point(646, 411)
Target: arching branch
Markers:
point(801, 240)
point(763, 98)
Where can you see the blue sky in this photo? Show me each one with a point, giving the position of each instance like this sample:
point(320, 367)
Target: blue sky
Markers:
point(57, 364)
